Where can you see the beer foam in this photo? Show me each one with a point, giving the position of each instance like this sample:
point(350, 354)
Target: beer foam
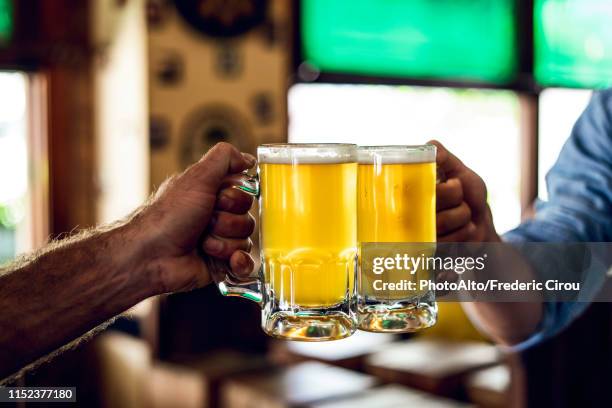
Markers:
point(323, 153)
point(396, 154)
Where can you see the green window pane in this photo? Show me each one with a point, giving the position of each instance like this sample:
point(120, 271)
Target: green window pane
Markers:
point(6, 21)
point(573, 42)
point(441, 39)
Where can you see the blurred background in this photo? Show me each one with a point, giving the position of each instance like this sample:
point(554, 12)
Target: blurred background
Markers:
point(101, 100)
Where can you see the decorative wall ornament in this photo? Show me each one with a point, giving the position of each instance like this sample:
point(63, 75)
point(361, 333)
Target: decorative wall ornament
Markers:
point(228, 60)
point(262, 104)
point(211, 124)
point(169, 68)
point(222, 18)
point(159, 132)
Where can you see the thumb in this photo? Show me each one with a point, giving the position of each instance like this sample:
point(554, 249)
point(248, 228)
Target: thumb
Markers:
point(218, 162)
point(474, 189)
point(446, 161)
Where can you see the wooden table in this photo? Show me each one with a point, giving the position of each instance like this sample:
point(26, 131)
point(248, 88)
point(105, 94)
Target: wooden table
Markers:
point(347, 353)
point(299, 385)
point(432, 365)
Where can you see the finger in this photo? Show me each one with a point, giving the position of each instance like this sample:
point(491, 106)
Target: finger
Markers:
point(453, 218)
point(223, 248)
point(224, 158)
point(242, 264)
point(446, 161)
point(234, 201)
point(221, 160)
point(449, 194)
point(228, 225)
point(464, 234)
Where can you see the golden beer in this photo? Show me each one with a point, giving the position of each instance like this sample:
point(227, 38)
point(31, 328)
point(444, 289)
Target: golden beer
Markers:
point(308, 240)
point(309, 231)
point(396, 203)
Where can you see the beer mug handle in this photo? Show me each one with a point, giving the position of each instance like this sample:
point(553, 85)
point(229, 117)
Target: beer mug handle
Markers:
point(219, 270)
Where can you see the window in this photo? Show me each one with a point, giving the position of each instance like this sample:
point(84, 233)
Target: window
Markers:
point(573, 42)
point(479, 126)
point(559, 110)
point(13, 163)
point(444, 39)
point(23, 165)
point(6, 21)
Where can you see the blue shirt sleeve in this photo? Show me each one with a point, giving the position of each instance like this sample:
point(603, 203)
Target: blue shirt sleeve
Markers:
point(579, 208)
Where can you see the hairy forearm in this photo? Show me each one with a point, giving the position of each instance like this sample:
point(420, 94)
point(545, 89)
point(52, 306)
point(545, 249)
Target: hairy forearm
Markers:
point(70, 287)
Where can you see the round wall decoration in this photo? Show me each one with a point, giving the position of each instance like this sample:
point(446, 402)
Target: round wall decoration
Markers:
point(211, 124)
point(222, 18)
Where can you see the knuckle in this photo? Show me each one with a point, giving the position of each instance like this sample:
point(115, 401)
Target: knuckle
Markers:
point(458, 186)
point(450, 189)
point(214, 246)
point(232, 225)
point(224, 147)
point(215, 154)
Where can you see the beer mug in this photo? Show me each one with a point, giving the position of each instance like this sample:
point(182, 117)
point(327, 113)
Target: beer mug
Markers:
point(396, 203)
point(308, 241)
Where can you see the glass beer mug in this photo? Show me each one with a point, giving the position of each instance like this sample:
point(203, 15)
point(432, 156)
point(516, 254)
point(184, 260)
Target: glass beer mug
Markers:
point(396, 213)
point(308, 241)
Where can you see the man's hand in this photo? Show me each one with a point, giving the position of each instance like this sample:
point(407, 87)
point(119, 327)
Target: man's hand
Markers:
point(464, 216)
point(461, 202)
point(190, 213)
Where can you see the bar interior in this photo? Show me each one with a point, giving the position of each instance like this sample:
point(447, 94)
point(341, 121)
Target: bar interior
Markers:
point(102, 100)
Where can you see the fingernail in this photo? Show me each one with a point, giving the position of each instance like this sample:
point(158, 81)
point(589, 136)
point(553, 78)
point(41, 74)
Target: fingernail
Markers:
point(250, 159)
point(225, 202)
point(213, 245)
point(243, 264)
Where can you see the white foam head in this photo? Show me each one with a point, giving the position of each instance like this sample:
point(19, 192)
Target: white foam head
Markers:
point(295, 153)
point(396, 154)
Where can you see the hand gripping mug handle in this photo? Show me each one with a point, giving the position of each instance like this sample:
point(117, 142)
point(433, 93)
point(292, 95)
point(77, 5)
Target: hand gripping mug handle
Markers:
point(219, 270)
